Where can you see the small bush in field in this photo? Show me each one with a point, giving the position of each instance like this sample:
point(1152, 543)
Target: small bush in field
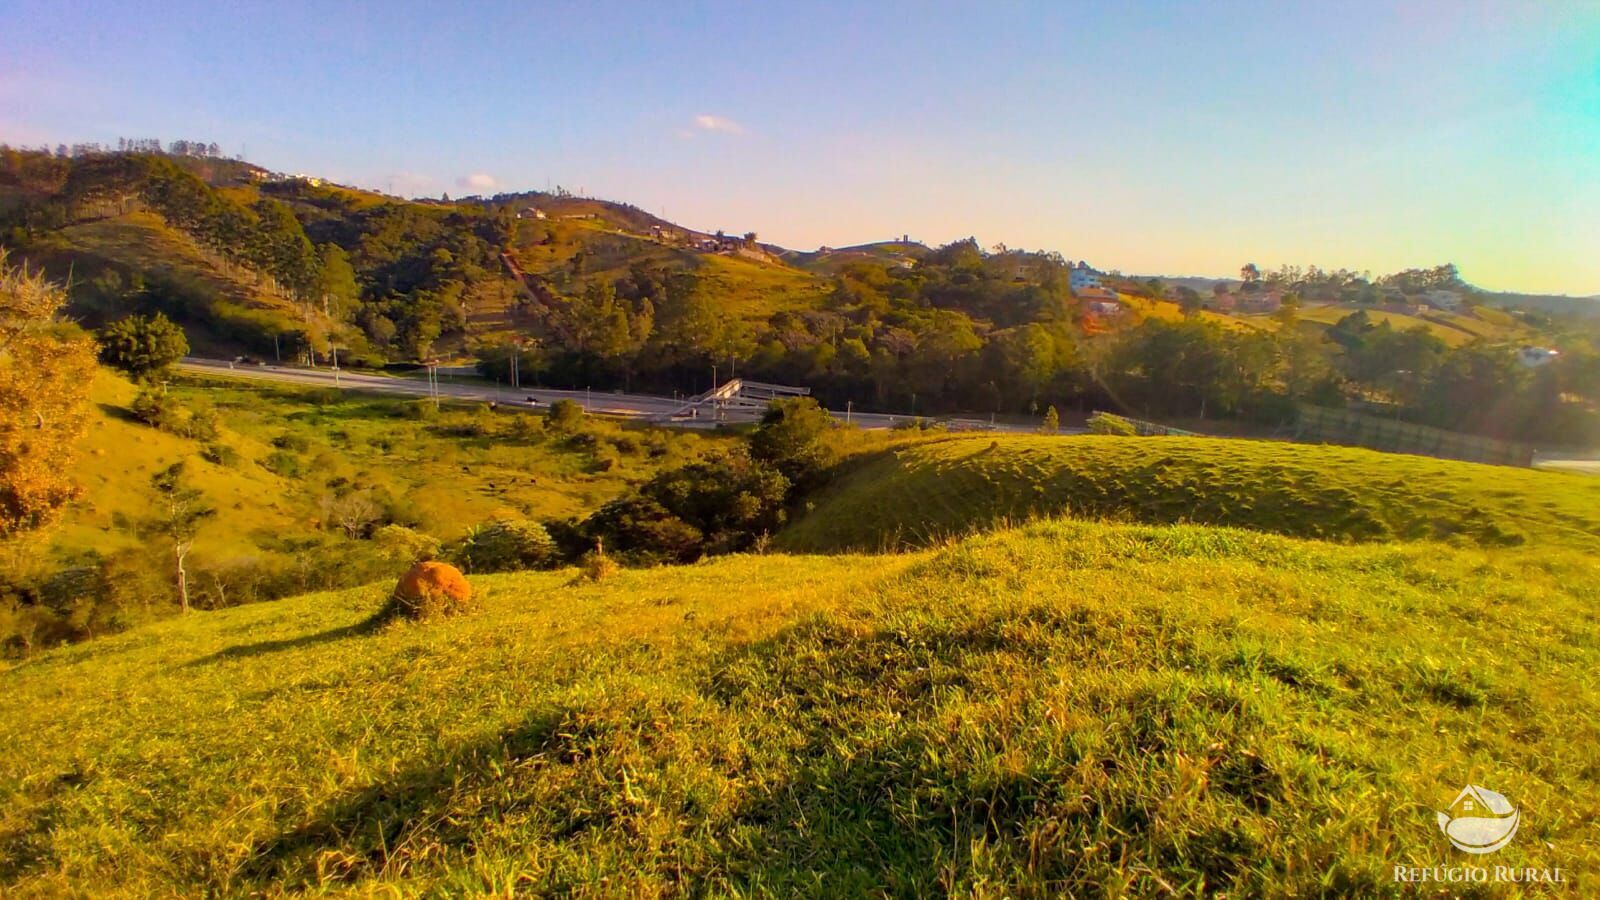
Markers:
point(406, 544)
point(167, 413)
point(221, 454)
point(597, 567)
point(564, 415)
point(298, 443)
point(419, 410)
point(284, 463)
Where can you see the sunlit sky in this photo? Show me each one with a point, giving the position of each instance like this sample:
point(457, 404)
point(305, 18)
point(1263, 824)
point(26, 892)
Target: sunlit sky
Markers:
point(1159, 138)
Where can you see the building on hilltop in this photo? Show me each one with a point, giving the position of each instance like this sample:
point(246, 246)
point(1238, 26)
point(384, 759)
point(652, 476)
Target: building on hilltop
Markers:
point(1260, 301)
point(1442, 299)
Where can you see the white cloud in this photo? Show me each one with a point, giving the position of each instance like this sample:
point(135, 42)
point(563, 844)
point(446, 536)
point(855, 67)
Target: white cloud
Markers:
point(708, 122)
point(477, 181)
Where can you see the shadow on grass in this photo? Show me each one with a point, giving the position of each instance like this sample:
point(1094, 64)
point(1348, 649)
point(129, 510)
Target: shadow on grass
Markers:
point(244, 651)
point(387, 826)
point(844, 784)
point(120, 413)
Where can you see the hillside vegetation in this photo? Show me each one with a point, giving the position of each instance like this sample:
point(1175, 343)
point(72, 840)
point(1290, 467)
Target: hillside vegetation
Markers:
point(916, 495)
point(293, 447)
point(593, 293)
point(306, 489)
point(1068, 708)
point(138, 262)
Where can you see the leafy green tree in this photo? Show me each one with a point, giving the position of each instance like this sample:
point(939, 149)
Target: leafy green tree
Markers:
point(145, 347)
point(1189, 300)
point(723, 504)
point(336, 282)
point(1396, 363)
point(1477, 388)
point(792, 439)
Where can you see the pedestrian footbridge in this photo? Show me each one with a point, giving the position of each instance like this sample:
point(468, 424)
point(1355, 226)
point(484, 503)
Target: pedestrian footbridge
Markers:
point(735, 400)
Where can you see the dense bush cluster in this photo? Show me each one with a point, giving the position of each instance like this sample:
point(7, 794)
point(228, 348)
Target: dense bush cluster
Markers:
point(727, 504)
point(143, 346)
point(505, 546)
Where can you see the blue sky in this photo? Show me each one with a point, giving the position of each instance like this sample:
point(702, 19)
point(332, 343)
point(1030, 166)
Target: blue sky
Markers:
point(1176, 138)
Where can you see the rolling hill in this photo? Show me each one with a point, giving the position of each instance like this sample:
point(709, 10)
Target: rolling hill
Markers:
point(107, 260)
point(920, 494)
point(1064, 708)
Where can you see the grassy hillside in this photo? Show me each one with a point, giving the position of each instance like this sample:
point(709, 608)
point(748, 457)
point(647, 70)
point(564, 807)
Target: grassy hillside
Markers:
point(1064, 709)
point(916, 495)
point(117, 458)
point(748, 289)
point(833, 259)
point(186, 278)
point(1455, 329)
point(297, 446)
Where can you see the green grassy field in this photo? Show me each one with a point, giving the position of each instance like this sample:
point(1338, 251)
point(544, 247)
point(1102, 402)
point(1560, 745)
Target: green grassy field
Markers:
point(461, 466)
point(1067, 708)
point(297, 446)
point(918, 494)
point(1455, 329)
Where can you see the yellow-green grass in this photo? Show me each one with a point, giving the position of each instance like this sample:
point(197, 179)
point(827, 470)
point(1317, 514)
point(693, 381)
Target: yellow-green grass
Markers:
point(750, 289)
point(451, 479)
point(456, 469)
point(1169, 311)
point(142, 242)
point(756, 289)
point(1438, 326)
point(1065, 709)
point(921, 493)
point(116, 460)
point(1480, 323)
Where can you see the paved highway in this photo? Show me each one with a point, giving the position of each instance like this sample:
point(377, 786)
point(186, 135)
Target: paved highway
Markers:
point(634, 406)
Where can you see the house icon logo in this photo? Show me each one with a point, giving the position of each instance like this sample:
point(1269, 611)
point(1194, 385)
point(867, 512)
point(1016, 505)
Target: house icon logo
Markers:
point(1479, 820)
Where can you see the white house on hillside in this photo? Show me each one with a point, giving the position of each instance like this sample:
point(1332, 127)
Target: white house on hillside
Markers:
point(1534, 357)
point(1082, 277)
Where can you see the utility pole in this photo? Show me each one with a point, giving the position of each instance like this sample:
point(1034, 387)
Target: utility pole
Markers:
point(585, 398)
point(849, 405)
point(335, 348)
